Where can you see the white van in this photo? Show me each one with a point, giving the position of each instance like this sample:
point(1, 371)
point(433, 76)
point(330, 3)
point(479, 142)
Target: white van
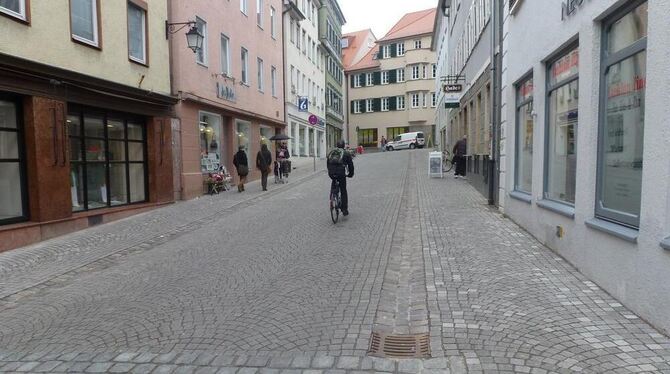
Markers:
point(408, 140)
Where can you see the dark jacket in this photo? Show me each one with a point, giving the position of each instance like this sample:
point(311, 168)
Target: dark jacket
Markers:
point(339, 170)
point(240, 159)
point(461, 148)
point(264, 159)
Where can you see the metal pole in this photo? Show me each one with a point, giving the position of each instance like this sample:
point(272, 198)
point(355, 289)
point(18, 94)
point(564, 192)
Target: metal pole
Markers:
point(494, 97)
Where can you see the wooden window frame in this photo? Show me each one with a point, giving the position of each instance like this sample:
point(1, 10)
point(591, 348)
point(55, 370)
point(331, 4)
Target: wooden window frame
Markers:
point(98, 28)
point(18, 18)
point(145, 7)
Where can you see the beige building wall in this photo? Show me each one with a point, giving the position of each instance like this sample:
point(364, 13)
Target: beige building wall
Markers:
point(46, 39)
point(415, 119)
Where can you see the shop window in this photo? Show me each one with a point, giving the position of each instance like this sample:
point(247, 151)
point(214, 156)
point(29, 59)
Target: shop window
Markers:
point(211, 141)
point(367, 137)
point(621, 146)
point(563, 116)
point(84, 21)
point(523, 180)
point(13, 207)
point(392, 132)
point(243, 129)
point(107, 160)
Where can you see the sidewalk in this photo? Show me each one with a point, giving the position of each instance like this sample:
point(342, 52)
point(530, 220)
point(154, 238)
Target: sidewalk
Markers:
point(38, 264)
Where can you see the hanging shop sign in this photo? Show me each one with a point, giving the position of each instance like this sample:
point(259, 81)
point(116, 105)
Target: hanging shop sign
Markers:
point(449, 88)
point(570, 7)
point(225, 92)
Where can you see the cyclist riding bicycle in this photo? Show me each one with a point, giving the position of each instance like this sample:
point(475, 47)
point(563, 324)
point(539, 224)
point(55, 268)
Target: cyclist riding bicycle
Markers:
point(340, 167)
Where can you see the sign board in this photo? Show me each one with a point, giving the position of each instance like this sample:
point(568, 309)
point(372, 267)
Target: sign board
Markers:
point(225, 92)
point(313, 120)
point(448, 105)
point(303, 104)
point(435, 164)
point(450, 88)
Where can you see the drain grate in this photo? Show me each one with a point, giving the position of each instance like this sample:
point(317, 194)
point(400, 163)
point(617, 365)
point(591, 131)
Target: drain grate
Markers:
point(400, 346)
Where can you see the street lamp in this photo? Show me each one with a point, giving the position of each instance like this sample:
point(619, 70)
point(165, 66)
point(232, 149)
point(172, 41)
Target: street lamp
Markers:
point(194, 38)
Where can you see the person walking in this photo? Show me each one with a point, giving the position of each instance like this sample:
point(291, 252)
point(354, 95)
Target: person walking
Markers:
point(264, 164)
point(382, 143)
point(242, 166)
point(459, 152)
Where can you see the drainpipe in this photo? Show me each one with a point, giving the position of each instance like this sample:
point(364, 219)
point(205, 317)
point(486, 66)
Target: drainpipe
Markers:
point(494, 166)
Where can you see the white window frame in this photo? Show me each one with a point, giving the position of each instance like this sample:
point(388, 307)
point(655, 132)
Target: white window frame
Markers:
point(369, 79)
point(400, 102)
point(433, 99)
point(144, 35)
point(225, 55)
point(369, 103)
point(244, 57)
point(434, 71)
point(385, 104)
point(204, 42)
point(357, 106)
point(424, 71)
point(386, 51)
point(244, 7)
point(273, 77)
point(425, 100)
point(273, 26)
point(292, 32)
point(385, 77)
point(259, 13)
point(22, 14)
point(260, 67)
point(400, 49)
point(417, 70)
point(400, 75)
point(357, 81)
point(418, 100)
point(417, 44)
point(94, 17)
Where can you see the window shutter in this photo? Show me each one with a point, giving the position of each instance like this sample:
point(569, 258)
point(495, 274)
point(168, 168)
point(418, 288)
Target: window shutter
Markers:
point(393, 76)
point(377, 104)
point(363, 81)
point(351, 106)
point(380, 53)
point(352, 81)
point(392, 103)
point(394, 50)
point(377, 78)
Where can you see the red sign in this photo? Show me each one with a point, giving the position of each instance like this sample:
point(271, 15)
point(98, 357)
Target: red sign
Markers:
point(313, 120)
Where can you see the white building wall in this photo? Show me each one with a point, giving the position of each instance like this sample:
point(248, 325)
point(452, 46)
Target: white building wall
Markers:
point(638, 274)
point(307, 139)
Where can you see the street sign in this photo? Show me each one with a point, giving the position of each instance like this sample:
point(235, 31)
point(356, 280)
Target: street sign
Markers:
point(313, 120)
point(303, 104)
point(453, 87)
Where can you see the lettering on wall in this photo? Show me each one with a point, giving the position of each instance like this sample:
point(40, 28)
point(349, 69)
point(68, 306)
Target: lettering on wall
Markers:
point(225, 92)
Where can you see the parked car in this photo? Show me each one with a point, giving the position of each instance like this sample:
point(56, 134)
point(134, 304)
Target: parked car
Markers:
point(408, 140)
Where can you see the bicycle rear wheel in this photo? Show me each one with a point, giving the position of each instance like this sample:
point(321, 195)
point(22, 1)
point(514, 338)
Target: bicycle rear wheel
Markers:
point(334, 208)
point(447, 165)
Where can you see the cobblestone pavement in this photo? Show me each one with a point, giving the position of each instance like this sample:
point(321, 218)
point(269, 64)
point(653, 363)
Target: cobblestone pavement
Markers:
point(265, 283)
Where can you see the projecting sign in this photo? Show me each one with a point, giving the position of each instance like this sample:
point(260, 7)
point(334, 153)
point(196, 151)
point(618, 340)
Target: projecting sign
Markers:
point(313, 120)
point(453, 88)
point(303, 104)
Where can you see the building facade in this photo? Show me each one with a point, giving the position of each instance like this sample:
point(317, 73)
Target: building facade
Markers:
point(439, 46)
point(331, 20)
point(391, 90)
point(85, 111)
point(231, 91)
point(305, 77)
point(586, 152)
point(355, 46)
point(468, 49)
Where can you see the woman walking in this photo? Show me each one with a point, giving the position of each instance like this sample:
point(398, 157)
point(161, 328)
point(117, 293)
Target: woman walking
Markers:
point(242, 165)
point(264, 163)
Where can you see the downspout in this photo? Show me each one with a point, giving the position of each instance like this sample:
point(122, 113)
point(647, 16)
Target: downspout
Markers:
point(495, 132)
point(283, 61)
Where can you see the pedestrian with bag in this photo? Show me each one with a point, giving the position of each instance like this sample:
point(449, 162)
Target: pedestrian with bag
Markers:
point(459, 152)
point(242, 166)
point(264, 164)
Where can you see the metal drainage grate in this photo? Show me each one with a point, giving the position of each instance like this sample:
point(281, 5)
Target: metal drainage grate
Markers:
point(400, 346)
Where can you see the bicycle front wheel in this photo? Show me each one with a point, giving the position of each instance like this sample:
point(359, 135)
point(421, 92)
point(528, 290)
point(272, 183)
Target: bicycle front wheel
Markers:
point(447, 165)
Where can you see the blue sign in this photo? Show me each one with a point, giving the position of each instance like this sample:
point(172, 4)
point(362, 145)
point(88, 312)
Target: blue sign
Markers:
point(303, 104)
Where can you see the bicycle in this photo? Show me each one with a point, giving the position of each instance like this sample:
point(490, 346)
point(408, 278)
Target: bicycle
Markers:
point(335, 202)
point(447, 163)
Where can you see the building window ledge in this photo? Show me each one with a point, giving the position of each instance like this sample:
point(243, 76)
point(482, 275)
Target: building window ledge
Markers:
point(562, 209)
point(665, 244)
point(522, 196)
point(621, 232)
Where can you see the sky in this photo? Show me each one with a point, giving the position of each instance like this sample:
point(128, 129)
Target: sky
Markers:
point(379, 15)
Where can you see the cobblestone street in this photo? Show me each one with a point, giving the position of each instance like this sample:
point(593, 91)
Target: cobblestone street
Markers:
point(266, 283)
